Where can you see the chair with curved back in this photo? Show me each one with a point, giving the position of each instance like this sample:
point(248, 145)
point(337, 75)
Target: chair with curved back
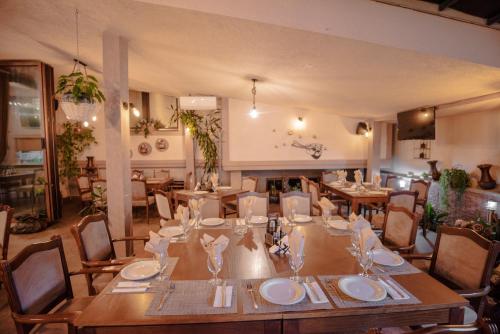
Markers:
point(304, 184)
point(405, 199)
point(39, 287)
point(84, 191)
point(6, 214)
point(328, 176)
point(260, 205)
point(96, 247)
point(211, 208)
point(164, 206)
point(399, 231)
point(423, 191)
point(187, 181)
point(303, 203)
point(314, 190)
point(391, 181)
point(140, 197)
point(248, 183)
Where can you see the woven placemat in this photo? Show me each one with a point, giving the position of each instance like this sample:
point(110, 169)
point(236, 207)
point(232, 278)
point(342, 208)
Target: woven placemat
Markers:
point(341, 300)
point(228, 225)
point(405, 269)
point(266, 307)
point(155, 286)
point(192, 298)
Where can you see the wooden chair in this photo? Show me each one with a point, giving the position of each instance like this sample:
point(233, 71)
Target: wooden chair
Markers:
point(187, 181)
point(463, 260)
point(260, 206)
point(400, 229)
point(164, 206)
point(304, 184)
point(314, 190)
point(140, 197)
point(303, 203)
point(162, 173)
point(248, 183)
point(328, 176)
point(84, 191)
point(391, 181)
point(423, 191)
point(6, 214)
point(37, 280)
point(405, 199)
point(96, 248)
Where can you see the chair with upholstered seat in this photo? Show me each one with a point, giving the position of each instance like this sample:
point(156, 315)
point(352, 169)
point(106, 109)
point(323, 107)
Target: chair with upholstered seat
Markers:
point(6, 213)
point(423, 191)
point(328, 176)
point(84, 191)
point(211, 208)
point(405, 199)
point(313, 188)
point(140, 197)
point(260, 206)
point(391, 181)
point(39, 287)
point(248, 183)
point(188, 181)
point(303, 201)
point(400, 229)
point(164, 206)
point(96, 247)
point(463, 260)
point(304, 184)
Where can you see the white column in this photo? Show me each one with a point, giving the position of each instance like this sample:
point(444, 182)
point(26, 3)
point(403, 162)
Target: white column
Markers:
point(374, 142)
point(117, 128)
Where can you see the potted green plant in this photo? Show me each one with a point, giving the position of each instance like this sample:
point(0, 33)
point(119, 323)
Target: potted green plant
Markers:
point(433, 218)
point(455, 179)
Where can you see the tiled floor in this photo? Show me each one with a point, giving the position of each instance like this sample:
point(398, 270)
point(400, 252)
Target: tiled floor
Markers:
point(62, 228)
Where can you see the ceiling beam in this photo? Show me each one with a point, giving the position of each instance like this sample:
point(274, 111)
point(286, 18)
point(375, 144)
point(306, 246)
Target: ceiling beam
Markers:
point(493, 19)
point(446, 3)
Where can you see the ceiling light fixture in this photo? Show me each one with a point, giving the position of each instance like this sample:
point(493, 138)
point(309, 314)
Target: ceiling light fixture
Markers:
point(299, 123)
point(253, 112)
point(135, 111)
point(363, 129)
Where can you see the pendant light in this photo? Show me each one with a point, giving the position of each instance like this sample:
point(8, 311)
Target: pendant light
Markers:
point(253, 112)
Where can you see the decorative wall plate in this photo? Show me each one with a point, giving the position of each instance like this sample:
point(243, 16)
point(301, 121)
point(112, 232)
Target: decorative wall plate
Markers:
point(144, 148)
point(161, 144)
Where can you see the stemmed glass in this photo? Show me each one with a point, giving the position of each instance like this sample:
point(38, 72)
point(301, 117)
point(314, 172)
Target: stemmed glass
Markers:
point(163, 261)
point(326, 214)
point(248, 216)
point(365, 259)
point(185, 228)
point(214, 264)
point(197, 219)
point(296, 263)
point(354, 243)
point(291, 218)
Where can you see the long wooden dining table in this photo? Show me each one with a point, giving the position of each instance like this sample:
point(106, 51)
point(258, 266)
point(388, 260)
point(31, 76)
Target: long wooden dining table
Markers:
point(358, 198)
point(247, 257)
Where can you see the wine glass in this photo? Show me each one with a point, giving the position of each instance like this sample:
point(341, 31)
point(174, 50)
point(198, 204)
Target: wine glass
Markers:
point(163, 261)
point(354, 243)
point(291, 218)
point(248, 216)
point(365, 259)
point(197, 219)
point(296, 263)
point(214, 264)
point(325, 214)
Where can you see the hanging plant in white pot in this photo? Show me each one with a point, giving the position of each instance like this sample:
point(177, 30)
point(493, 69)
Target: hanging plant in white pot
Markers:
point(80, 91)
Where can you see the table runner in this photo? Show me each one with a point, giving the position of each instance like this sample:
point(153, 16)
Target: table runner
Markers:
point(343, 301)
point(192, 298)
point(266, 307)
point(155, 284)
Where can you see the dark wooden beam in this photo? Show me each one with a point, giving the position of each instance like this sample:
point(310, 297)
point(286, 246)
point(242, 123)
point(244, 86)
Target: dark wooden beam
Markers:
point(446, 3)
point(493, 19)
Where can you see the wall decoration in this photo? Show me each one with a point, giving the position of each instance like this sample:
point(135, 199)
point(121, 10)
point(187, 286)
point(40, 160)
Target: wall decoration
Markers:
point(144, 126)
point(314, 150)
point(422, 149)
point(144, 148)
point(161, 144)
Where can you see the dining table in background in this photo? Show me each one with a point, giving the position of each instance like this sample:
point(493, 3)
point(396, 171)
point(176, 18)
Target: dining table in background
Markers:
point(247, 257)
point(224, 195)
point(158, 183)
point(357, 198)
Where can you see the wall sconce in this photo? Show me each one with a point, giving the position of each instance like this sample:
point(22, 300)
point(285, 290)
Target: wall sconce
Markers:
point(402, 184)
point(135, 111)
point(363, 128)
point(299, 123)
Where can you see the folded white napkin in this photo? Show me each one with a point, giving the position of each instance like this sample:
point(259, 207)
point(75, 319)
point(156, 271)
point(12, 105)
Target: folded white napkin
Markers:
point(358, 222)
point(341, 175)
point(214, 246)
point(129, 284)
point(358, 176)
point(214, 179)
point(197, 187)
point(395, 292)
point(296, 242)
point(218, 296)
point(377, 180)
point(368, 240)
point(156, 244)
point(326, 205)
point(181, 213)
point(319, 293)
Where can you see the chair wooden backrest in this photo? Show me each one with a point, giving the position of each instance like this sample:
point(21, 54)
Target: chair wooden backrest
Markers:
point(6, 214)
point(400, 228)
point(212, 208)
point(260, 206)
point(328, 176)
point(37, 280)
point(304, 184)
point(83, 183)
point(405, 199)
point(249, 183)
point(391, 181)
point(139, 192)
point(303, 203)
point(187, 181)
point(315, 192)
point(423, 190)
point(164, 205)
point(464, 260)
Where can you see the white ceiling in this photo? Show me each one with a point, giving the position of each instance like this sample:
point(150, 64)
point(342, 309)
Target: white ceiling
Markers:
point(178, 52)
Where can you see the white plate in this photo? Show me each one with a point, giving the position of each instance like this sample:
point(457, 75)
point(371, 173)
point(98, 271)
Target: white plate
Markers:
point(224, 188)
point(339, 224)
point(362, 288)
point(171, 231)
point(282, 291)
point(387, 258)
point(212, 221)
point(140, 270)
point(302, 219)
point(200, 192)
point(258, 220)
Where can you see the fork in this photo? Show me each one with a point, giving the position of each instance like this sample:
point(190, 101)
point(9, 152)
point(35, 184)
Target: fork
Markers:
point(251, 291)
point(165, 296)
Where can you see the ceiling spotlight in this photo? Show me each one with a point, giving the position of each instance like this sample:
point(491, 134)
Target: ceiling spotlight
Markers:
point(94, 118)
point(86, 124)
point(299, 123)
point(363, 129)
point(253, 112)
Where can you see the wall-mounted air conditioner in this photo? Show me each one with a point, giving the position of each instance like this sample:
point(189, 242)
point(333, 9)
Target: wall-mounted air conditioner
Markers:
point(198, 102)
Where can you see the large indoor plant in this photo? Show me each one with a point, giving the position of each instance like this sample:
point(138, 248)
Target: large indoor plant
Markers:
point(433, 218)
point(455, 179)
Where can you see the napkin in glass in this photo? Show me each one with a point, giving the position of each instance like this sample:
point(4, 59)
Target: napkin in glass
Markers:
point(368, 240)
point(326, 205)
point(357, 223)
point(296, 242)
point(156, 244)
point(214, 247)
point(358, 176)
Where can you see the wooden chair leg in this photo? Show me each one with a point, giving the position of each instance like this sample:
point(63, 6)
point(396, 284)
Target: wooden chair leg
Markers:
point(147, 212)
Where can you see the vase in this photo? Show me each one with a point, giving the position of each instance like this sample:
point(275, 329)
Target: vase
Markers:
point(434, 171)
point(486, 181)
point(90, 167)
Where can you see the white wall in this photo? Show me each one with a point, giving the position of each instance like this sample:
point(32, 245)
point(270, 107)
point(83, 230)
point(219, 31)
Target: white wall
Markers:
point(254, 140)
point(466, 140)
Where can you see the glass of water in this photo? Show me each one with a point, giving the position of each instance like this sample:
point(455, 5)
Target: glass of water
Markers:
point(214, 264)
point(296, 263)
point(365, 259)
